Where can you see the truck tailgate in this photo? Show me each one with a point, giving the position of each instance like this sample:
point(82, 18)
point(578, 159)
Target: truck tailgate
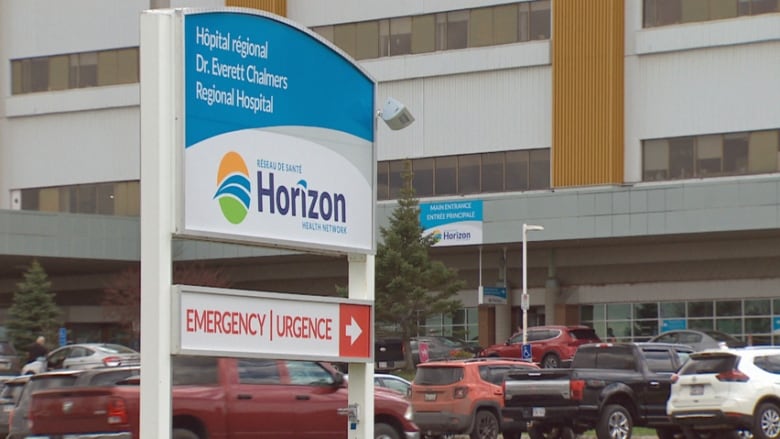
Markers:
point(538, 387)
point(78, 410)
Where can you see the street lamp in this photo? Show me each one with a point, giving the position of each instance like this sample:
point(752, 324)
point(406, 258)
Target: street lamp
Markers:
point(524, 298)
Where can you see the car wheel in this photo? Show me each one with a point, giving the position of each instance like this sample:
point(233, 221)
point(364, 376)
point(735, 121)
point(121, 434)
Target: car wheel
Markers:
point(615, 423)
point(551, 361)
point(385, 431)
point(766, 421)
point(181, 433)
point(485, 426)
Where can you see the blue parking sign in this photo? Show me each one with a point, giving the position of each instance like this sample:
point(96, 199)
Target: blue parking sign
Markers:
point(527, 352)
point(62, 334)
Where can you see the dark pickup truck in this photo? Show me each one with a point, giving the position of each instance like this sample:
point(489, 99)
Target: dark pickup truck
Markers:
point(610, 387)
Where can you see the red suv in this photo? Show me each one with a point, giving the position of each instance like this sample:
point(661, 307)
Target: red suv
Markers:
point(551, 346)
point(464, 397)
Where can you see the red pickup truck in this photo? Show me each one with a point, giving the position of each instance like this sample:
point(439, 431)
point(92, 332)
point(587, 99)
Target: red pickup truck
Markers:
point(223, 398)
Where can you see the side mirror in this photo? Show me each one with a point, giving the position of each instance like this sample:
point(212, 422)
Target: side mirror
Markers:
point(338, 379)
point(508, 341)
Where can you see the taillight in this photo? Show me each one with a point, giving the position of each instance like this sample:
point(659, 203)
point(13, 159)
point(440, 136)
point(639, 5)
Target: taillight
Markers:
point(112, 361)
point(732, 376)
point(116, 412)
point(577, 389)
point(675, 378)
point(460, 392)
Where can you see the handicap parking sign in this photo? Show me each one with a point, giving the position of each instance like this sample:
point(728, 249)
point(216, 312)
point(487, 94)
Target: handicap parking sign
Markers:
point(527, 352)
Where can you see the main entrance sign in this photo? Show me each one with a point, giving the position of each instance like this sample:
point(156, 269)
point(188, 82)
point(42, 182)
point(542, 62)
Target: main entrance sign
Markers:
point(278, 136)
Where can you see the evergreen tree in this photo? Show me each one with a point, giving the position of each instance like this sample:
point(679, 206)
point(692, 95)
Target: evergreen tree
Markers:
point(33, 311)
point(409, 285)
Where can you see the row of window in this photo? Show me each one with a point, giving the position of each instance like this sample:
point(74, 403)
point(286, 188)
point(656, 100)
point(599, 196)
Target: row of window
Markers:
point(747, 319)
point(668, 12)
point(76, 70)
point(713, 155)
point(114, 198)
point(502, 24)
point(503, 171)
point(463, 324)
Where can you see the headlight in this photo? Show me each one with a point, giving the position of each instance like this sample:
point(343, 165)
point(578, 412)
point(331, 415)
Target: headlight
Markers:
point(409, 414)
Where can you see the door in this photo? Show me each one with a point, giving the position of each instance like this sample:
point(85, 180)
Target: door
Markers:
point(317, 401)
point(658, 383)
point(260, 406)
point(80, 357)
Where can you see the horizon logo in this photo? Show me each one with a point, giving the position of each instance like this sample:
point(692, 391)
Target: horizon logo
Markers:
point(453, 235)
point(299, 200)
point(233, 187)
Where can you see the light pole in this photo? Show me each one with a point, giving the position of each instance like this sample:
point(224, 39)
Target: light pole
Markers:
point(524, 298)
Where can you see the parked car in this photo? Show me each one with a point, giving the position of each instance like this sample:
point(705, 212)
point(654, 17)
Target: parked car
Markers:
point(439, 348)
point(223, 398)
point(19, 422)
point(9, 397)
point(392, 382)
point(10, 365)
point(551, 346)
point(728, 390)
point(464, 397)
point(466, 345)
point(389, 354)
point(699, 340)
point(85, 356)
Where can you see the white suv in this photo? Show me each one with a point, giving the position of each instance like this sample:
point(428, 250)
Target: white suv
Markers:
point(728, 390)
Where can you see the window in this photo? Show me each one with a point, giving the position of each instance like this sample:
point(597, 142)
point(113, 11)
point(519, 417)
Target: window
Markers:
point(119, 198)
point(367, 44)
point(517, 164)
point(253, 371)
point(479, 27)
point(493, 172)
point(76, 70)
point(308, 373)
point(467, 174)
point(423, 177)
point(540, 169)
point(669, 12)
point(446, 175)
point(457, 30)
point(711, 155)
point(540, 20)
point(400, 36)
point(423, 33)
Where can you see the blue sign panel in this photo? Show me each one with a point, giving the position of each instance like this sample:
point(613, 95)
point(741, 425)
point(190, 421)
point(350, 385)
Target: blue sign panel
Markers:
point(453, 222)
point(527, 352)
point(672, 324)
point(62, 335)
point(278, 135)
point(776, 324)
point(492, 296)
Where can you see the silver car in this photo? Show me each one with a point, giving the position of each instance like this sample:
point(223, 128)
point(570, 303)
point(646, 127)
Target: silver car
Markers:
point(85, 356)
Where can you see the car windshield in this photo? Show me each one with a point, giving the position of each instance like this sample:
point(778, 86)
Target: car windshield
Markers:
point(708, 364)
point(438, 375)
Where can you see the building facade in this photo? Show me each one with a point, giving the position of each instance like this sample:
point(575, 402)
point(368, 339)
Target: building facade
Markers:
point(643, 135)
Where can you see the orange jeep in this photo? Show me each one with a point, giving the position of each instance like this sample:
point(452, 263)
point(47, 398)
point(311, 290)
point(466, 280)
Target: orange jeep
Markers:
point(464, 397)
